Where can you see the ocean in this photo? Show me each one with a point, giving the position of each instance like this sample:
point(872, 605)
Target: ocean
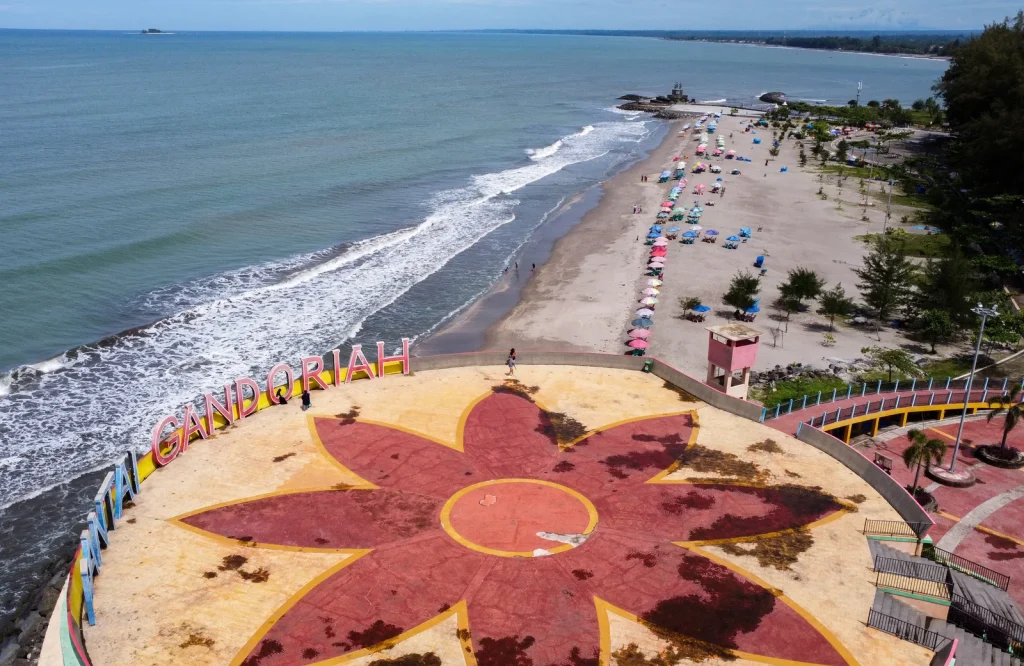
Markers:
point(180, 210)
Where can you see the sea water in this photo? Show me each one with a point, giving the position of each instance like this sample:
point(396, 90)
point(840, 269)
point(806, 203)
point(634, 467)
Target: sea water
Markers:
point(177, 211)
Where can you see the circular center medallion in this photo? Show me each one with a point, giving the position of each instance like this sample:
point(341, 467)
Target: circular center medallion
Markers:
point(519, 517)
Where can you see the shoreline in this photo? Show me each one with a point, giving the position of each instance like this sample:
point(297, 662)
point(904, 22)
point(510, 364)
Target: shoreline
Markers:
point(512, 312)
point(584, 296)
point(913, 56)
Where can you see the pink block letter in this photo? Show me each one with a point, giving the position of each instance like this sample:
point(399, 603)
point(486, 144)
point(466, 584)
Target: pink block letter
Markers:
point(290, 378)
point(312, 373)
point(173, 441)
point(404, 358)
point(240, 385)
point(212, 407)
point(362, 365)
point(192, 426)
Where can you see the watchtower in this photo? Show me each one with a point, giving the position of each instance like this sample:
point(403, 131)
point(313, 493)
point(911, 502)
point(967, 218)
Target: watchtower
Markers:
point(732, 351)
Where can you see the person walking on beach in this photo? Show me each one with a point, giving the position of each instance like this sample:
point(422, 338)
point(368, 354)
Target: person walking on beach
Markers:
point(511, 362)
point(306, 400)
point(533, 267)
point(280, 397)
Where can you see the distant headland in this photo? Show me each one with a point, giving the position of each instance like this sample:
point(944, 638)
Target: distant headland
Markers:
point(154, 31)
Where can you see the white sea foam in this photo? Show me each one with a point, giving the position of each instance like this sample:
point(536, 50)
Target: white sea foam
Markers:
point(712, 101)
point(547, 151)
point(82, 409)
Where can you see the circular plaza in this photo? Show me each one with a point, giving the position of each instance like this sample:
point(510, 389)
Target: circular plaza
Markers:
point(570, 515)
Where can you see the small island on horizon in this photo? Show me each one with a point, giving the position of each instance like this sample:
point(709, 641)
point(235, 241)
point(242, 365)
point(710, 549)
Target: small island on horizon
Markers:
point(154, 31)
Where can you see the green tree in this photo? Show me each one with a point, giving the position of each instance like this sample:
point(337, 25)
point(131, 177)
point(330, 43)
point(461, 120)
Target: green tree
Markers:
point(892, 359)
point(874, 103)
point(948, 285)
point(835, 303)
point(886, 278)
point(842, 148)
point(774, 151)
point(743, 289)
point(1009, 405)
point(688, 303)
point(983, 89)
point(1007, 328)
point(918, 105)
point(935, 326)
point(922, 451)
point(786, 303)
point(802, 284)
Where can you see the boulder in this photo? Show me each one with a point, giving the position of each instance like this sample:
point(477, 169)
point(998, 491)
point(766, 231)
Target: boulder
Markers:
point(774, 97)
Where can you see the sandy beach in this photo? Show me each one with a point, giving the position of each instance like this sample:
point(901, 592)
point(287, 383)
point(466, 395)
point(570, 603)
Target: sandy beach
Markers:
point(585, 295)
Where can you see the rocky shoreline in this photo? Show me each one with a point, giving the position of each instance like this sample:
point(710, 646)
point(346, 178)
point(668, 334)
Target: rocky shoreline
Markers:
point(21, 634)
point(660, 105)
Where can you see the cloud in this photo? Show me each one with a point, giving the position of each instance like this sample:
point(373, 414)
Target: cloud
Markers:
point(863, 17)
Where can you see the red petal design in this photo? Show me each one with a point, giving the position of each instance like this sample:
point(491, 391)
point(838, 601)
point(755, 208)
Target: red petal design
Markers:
point(690, 595)
point(510, 436)
point(324, 519)
point(624, 456)
point(685, 512)
point(533, 611)
point(394, 458)
point(378, 597)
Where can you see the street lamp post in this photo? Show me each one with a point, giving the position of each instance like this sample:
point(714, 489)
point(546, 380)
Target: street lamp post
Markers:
point(888, 208)
point(984, 313)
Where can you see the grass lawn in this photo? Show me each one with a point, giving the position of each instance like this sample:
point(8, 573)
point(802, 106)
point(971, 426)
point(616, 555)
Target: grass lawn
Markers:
point(952, 367)
point(898, 199)
point(796, 389)
point(919, 245)
point(851, 171)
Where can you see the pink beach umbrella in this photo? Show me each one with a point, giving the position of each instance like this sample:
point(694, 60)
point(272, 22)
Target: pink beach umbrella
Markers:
point(654, 282)
point(660, 242)
point(656, 264)
point(639, 344)
point(649, 300)
point(641, 333)
point(644, 312)
point(650, 291)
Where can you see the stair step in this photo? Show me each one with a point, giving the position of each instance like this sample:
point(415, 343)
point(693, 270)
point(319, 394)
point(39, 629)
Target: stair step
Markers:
point(879, 598)
point(887, 603)
point(986, 653)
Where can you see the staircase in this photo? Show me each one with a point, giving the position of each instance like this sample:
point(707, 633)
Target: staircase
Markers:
point(976, 609)
point(895, 617)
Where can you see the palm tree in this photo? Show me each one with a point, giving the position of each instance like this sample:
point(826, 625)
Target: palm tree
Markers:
point(1010, 404)
point(922, 451)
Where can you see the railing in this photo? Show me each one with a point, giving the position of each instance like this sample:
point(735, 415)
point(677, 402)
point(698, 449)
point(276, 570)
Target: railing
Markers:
point(904, 583)
point(980, 621)
point(940, 390)
point(983, 573)
point(907, 631)
point(935, 573)
point(893, 528)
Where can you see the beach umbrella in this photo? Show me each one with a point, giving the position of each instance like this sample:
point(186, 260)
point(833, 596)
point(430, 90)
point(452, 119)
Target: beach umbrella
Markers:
point(696, 227)
point(711, 232)
point(643, 322)
point(656, 263)
point(733, 239)
point(667, 203)
point(753, 310)
point(653, 234)
point(649, 300)
point(654, 282)
point(702, 308)
point(644, 312)
point(660, 242)
point(662, 215)
point(673, 230)
point(650, 291)
point(659, 255)
point(689, 234)
point(640, 333)
point(639, 344)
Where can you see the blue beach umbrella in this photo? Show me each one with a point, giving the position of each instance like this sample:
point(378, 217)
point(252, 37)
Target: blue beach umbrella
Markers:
point(702, 308)
point(655, 227)
point(673, 230)
point(711, 232)
point(643, 322)
point(653, 234)
point(733, 239)
point(690, 234)
point(753, 310)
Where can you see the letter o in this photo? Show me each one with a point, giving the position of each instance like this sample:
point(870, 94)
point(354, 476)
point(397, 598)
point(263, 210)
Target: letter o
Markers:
point(272, 390)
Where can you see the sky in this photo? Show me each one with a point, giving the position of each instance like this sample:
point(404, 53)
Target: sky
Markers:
point(344, 15)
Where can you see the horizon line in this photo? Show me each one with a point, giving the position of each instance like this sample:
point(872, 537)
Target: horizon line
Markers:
point(612, 32)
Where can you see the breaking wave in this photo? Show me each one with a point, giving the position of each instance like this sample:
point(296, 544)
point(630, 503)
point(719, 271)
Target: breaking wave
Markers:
point(79, 410)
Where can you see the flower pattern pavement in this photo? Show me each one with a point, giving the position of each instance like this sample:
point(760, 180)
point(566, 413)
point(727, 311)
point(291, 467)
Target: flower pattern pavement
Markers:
point(438, 529)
